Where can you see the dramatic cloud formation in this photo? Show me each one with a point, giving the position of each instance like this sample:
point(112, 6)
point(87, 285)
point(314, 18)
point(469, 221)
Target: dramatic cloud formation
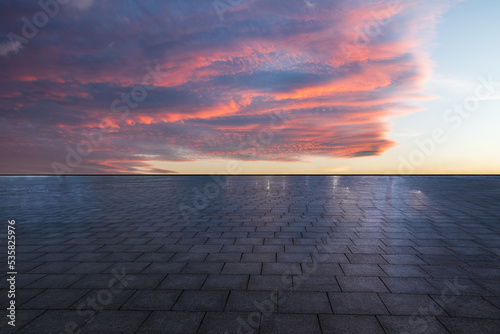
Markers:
point(103, 86)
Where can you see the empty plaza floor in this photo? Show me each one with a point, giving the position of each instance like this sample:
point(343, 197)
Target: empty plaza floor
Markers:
point(253, 254)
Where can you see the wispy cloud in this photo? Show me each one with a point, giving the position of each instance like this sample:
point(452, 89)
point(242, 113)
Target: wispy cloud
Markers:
point(8, 47)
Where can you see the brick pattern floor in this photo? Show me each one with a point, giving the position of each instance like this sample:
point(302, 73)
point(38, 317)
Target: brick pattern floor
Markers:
point(255, 254)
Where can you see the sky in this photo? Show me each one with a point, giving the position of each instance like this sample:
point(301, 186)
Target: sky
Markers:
point(249, 86)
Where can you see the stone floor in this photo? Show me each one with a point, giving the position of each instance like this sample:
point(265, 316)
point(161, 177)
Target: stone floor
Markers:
point(255, 254)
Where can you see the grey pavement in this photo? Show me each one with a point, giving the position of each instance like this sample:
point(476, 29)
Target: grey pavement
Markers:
point(254, 254)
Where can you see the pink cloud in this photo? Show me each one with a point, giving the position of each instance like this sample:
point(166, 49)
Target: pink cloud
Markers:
point(340, 69)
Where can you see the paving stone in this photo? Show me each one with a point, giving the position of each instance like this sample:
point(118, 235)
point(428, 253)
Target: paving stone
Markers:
point(356, 303)
point(362, 269)
point(205, 249)
point(136, 241)
point(242, 268)
point(329, 258)
point(493, 286)
point(270, 282)
point(434, 250)
point(290, 323)
point(365, 249)
point(226, 282)
point(48, 267)
point(401, 250)
point(314, 268)
point(116, 322)
point(183, 281)
point(281, 269)
point(369, 242)
point(403, 259)
point(187, 239)
point(22, 318)
point(53, 248)
point(261, 234)
point(54, 257)
point(300, 249)
point(182, 248)
point(438, 260)
point(237, 249)
point(366, 258)
point(201, 301)
point(315, 283)
point(189, 257)
point(467, 306)
point(54, 299)
point(121, 257)
point(259, 257)
point(402, 270)
point(220, 241)
point(203, 268)
point(22, 296)
point(249, 241)
point(160, 322)
point(165, 268)
point(458, 286)
point(90, 268)
point(361, 284)
point(411, 324)
point(430, 242)
point(348, 324)
point(154, 300)
point(27, 280)
point(254, 301)
point(447, 271)
point(130, 268)
point(408, 285)
point(493, 300)
point(294, 257)
point(305, 302)
point(103, 299)
point(88, 257)
point(410, 304)
point(278, 241)
point(95, 281)
point(484, 272)
point(229, 322)
point(224, 257)
point(53, 321)
point(31, 267)
point(144, 281)
point(154, 257)
point(268, 249)
point(470, 325)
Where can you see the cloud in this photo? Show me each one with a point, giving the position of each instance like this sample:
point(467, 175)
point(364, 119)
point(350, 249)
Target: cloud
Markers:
point(340, 69)
point(494, 97)
point(7, 47)
point(82, 4)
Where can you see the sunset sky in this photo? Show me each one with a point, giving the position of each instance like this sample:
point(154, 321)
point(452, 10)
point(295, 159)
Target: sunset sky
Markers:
point(249, 86)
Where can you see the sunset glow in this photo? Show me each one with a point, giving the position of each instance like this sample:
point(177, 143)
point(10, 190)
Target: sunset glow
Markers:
point(268, 86)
